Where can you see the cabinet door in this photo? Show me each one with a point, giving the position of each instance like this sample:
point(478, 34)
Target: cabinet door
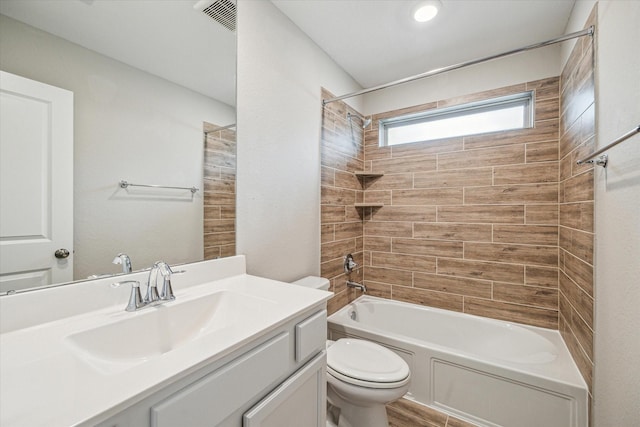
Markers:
point(298, 402)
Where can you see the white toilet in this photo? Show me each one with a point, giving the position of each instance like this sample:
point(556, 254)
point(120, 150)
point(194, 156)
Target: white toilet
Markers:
point(362, 377)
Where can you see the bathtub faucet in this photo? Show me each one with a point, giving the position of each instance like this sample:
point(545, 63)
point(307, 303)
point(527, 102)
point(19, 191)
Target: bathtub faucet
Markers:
point(356, 285)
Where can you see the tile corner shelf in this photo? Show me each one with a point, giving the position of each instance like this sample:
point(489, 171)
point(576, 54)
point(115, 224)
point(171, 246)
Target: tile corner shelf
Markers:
point(368, 205)
point(367, 174)
point(364, 175)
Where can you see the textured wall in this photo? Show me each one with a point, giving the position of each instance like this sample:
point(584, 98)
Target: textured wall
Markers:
point(617, 225)
point(280, 72)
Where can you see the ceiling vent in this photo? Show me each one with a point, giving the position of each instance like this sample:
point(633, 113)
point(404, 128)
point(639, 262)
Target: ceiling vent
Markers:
point(221, 11)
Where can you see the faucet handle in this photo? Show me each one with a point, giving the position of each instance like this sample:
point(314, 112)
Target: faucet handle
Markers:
point(166, 292)
point(152, 296)
point(349, 264)
point(135, 299)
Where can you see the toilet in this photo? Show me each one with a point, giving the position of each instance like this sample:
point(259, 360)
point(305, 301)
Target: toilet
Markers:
point(362, 377)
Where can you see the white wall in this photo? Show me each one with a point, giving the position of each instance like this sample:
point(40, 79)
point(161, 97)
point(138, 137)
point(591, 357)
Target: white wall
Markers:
point(528, 66)
point(280, 72)
point(617, 218)
point(579, 15)
point(128, 125)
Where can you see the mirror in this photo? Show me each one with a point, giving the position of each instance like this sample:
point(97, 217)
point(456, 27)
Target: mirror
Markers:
point(153, 82)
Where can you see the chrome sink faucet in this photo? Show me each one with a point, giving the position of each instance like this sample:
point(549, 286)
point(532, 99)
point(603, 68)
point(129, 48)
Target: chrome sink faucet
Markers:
point(152, 297)
point(123, 259)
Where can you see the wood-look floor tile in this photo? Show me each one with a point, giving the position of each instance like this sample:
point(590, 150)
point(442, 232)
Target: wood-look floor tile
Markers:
point(421, 412)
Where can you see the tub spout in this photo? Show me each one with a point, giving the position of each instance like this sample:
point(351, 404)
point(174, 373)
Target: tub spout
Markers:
point(356, 285)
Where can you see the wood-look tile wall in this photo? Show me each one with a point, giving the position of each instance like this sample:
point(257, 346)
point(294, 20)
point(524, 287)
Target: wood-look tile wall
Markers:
point(469, 224)
point(577, 139)
point(219, 193)
point(342, 154)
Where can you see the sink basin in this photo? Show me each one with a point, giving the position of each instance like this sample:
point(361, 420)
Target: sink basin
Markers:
point(153, 331)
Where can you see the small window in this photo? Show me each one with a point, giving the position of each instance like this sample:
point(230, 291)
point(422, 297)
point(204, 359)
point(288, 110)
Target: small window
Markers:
point(492, 115)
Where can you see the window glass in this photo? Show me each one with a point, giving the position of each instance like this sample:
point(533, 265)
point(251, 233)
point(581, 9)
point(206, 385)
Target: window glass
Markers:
point(513, 112)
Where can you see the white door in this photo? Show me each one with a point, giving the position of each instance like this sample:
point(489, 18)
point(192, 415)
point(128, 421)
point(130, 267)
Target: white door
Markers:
point(36, 183)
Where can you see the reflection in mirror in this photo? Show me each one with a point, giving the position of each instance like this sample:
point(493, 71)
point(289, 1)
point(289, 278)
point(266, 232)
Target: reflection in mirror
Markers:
point(145, 81)
point(219, 191)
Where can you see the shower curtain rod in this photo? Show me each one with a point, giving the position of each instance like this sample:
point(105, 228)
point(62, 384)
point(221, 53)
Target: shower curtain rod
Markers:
point(586, 32)
point(604, 159)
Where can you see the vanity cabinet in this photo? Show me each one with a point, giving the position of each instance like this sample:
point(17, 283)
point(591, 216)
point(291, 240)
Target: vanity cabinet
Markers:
point(275, 380)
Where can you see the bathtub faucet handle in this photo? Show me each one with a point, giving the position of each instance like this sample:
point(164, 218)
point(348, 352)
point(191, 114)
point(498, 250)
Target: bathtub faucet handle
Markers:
point(349, 264)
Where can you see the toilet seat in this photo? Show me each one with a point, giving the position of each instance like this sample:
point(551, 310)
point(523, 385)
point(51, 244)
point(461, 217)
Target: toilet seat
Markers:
point(366, 364)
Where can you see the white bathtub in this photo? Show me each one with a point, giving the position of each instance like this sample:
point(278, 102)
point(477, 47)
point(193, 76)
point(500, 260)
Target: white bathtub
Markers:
point(488, 372)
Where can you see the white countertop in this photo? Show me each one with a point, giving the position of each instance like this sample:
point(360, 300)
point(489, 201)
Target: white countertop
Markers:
point(45, 381)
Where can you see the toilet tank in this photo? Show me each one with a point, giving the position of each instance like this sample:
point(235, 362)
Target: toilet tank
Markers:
point(314, 282)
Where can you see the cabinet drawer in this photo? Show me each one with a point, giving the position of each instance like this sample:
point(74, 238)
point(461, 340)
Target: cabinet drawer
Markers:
point(311, 335)
point(210, 400)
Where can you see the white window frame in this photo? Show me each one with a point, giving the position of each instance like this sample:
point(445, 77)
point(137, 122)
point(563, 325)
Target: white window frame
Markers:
point(525, 98)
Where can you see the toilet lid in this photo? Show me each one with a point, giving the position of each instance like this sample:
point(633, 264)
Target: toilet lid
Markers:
point(366, 361)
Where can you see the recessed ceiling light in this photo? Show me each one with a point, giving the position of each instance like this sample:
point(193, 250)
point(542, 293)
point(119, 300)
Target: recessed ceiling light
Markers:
point(426, 11)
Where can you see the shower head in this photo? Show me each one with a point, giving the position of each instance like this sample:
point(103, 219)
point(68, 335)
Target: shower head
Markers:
point(365, 122)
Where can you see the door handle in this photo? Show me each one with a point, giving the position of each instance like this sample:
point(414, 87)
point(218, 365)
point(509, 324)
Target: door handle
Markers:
point(61, 253)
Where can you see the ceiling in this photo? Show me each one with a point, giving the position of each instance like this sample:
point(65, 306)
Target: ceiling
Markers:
point(377, 41)
point(168, 38)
